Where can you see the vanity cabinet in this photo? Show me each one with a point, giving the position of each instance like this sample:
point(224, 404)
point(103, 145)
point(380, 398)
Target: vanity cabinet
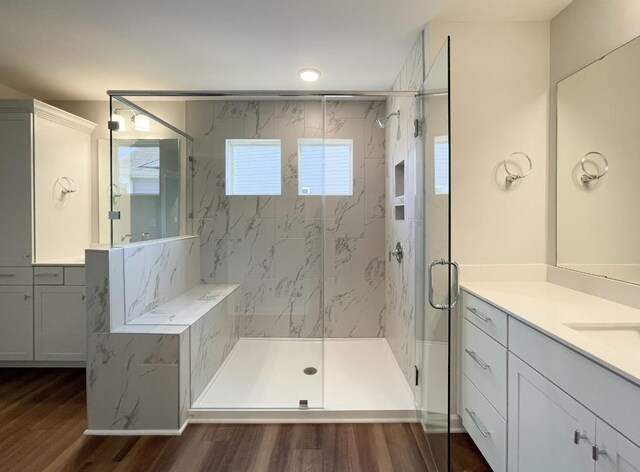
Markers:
point(531, 403)
point(45, 210)
point(548, 430)
point(620, 454)
point(60, 323)
point(16, 322)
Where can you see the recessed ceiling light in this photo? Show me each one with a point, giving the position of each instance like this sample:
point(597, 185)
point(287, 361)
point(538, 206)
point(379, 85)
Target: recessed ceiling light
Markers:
point(309, 75)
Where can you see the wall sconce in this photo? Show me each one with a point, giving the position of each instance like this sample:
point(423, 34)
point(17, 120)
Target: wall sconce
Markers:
point(141, 122)
point(118, 118)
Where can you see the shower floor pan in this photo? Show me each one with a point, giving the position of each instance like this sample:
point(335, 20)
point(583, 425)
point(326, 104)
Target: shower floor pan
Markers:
point(264, 380)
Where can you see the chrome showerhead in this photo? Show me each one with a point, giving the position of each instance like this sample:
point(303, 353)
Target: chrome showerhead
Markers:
point(383, 122)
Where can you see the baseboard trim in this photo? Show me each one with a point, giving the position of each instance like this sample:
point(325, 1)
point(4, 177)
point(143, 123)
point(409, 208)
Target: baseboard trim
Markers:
point(135, 432)
point(300, 416)
point(43, 364)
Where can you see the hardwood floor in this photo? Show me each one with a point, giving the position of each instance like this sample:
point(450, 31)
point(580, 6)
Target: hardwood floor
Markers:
point(42, 420)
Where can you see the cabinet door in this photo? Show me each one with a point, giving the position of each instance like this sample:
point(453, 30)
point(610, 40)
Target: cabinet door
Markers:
point(60, 323)
point(16, 323)
point(617, 453)
point(542, 425)
point(15, 189)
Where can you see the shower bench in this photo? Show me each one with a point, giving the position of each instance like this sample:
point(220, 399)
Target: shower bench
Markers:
point(144, 374)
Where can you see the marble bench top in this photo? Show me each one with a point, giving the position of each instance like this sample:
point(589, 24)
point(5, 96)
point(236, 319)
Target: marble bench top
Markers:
point(186, 308)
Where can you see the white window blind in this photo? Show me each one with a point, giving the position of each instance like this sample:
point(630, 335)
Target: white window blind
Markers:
point(325, 166)
point(441, 165)
point(253, 167)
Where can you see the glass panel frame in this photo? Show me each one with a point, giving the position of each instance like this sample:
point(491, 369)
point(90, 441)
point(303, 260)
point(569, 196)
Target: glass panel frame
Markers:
point(433, 267)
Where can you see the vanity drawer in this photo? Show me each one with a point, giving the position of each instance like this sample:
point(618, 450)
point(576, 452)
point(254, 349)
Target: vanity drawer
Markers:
point(48, 276)
point(485, 426)
point(16, 276)
point(74, 276)
point(486, 317)
point(484, 362)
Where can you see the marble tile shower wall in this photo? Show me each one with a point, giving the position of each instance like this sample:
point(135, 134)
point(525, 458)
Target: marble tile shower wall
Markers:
point(154, 273)
point(276, 246)
point(401, 280)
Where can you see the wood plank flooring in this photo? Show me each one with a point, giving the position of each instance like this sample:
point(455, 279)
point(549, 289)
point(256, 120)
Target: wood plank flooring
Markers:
point(42, 420)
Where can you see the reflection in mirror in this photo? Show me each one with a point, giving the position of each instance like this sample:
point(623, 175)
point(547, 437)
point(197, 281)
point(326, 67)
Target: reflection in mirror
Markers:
point(148, 176)
point(598, 148)
point(146, 188)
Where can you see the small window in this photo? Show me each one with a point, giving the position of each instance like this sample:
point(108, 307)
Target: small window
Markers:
point(253, 167)
point(441, 165)
point(325, 166)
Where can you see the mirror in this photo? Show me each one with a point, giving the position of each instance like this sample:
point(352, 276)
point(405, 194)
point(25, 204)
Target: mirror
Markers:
point(598, 158)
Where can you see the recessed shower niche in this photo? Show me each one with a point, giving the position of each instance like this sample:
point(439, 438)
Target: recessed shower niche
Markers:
point(398, 201)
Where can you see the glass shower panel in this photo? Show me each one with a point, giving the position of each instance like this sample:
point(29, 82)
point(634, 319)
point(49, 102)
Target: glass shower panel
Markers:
point(150, 176)
point(260, 230)
point(434, 270)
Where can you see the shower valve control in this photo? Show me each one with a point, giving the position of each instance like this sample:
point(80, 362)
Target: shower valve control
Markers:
point(398, 253)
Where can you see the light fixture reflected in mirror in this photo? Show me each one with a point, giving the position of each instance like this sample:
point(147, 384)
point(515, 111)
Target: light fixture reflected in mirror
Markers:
point(117, 117)
point(141, 122)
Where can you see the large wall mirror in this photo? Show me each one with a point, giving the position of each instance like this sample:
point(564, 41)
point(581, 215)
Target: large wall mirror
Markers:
point(598, 149)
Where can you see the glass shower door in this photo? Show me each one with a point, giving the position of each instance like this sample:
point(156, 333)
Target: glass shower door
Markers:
point(436, 274)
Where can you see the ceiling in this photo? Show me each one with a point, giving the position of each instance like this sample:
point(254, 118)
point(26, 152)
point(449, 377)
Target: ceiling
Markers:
point(78, 49)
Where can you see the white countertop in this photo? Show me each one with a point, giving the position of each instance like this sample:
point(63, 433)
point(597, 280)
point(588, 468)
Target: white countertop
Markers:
point(548, 308)
point(186, 308)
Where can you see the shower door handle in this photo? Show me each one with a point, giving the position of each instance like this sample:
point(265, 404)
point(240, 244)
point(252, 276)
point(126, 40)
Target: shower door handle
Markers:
point(455, 288)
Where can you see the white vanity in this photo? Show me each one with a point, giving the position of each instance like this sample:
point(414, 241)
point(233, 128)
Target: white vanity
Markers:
point(45, 206)
point(550, 378)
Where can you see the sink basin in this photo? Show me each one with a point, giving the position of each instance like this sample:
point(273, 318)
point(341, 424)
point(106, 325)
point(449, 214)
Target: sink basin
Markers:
point(618, 333)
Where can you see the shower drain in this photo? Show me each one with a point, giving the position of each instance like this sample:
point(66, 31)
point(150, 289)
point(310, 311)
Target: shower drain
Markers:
point(310, 370)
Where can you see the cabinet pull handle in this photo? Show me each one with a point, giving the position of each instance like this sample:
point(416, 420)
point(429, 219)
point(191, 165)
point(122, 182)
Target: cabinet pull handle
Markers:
point(478, 423)
point(596, 452)
point(577, 436)
point(47, 275)
point(484, 318)
point(27, 296)
point(479, 361)
point(7, 275)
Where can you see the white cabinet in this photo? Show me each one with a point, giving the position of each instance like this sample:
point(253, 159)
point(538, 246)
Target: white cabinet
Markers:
point(563, 412)
point(60, 323)
point(614, 452)
point(16, 322)
point(15, 189)
point(548, 430)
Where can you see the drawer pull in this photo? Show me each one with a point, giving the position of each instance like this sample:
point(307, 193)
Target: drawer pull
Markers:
point(484, 318)
point(47, 275)
point(577, 436)
point(478, 423)
point(479, 361)
point(596, 452)
point(7, 275)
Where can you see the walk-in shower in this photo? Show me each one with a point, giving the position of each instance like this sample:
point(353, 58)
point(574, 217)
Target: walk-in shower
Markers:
point(294, 197)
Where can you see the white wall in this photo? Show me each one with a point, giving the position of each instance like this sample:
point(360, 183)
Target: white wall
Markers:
point(499, 105)
point(10, 93)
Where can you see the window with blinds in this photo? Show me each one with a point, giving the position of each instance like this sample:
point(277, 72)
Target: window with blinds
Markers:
point(441, 165)
point(253, 167)
point(325, 166)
